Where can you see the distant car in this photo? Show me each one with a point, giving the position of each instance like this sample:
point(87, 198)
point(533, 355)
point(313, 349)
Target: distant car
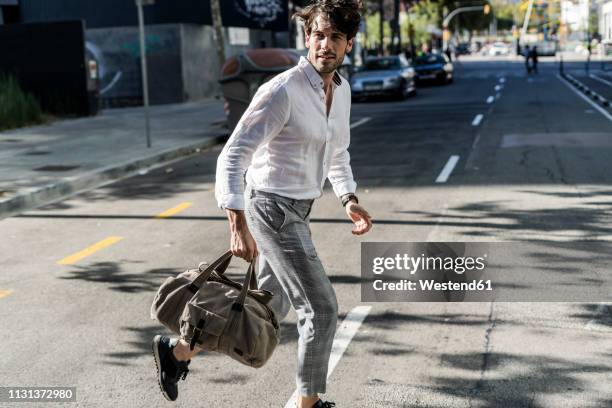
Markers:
point(433, 67)
point(499, 48)
point(463, 49)
point(384, 76)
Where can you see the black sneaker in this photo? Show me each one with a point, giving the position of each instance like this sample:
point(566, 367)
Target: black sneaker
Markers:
point(324, 404)
point(169, 369)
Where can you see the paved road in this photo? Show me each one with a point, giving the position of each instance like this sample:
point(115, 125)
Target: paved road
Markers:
point(534, 166)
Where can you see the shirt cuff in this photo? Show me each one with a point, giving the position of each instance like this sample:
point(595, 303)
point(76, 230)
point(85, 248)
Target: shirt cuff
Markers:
point(232, 202)
point(344, 188)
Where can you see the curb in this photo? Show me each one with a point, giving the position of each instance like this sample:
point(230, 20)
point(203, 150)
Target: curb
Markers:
point(586, 90)
point(69, 186)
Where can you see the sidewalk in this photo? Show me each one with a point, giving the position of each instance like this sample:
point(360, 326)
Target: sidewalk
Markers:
point(42, 164)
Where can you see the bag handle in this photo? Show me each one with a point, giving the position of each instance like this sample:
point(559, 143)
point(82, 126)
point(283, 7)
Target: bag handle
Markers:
point(220, 265)
point(248, 281)
point(222, 261)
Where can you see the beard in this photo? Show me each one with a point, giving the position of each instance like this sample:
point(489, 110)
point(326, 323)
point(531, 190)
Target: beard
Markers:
point(327, 66)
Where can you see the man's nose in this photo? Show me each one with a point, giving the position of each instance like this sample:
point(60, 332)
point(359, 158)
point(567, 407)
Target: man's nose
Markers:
point(325, 43)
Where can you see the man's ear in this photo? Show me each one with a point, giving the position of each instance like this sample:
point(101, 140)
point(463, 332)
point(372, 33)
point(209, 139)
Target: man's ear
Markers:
point(306, 39)
point(349, 45)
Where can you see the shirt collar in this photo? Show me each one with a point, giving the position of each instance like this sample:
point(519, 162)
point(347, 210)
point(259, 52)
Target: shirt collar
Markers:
point(313, 76)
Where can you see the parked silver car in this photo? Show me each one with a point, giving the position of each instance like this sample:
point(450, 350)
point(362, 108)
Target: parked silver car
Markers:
point(388, 76)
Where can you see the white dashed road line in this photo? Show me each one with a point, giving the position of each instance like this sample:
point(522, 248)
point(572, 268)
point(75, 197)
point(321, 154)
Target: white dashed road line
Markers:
point(345, 333)
point(490, 99)
point(360, 122)
point(448, 169)
point(477, 119)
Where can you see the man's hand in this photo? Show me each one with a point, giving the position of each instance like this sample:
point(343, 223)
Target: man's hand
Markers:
point(360, 217)
point(242, 243)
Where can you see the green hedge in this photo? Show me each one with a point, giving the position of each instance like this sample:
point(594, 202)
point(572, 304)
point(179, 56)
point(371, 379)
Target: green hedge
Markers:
point(17, 108)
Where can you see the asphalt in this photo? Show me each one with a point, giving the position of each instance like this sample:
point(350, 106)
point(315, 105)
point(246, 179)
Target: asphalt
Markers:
point(42, 164)
point(534, 168)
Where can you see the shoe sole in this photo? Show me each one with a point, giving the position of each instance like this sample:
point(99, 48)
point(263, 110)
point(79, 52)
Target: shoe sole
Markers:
point(155, 349)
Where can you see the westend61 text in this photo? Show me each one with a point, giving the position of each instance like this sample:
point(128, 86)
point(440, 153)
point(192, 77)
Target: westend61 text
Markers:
point(432, 285)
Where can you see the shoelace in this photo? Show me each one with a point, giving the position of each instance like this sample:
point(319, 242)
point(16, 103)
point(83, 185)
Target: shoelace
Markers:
point(328, 404)
point(183, 373)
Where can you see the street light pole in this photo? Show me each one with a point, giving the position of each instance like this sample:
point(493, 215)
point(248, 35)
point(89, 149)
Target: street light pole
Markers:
point(143, 66)
point(526, 21)
point(452, 14)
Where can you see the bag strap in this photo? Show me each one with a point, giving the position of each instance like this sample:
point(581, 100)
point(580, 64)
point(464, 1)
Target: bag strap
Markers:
point(239, 303)
point(223, 261)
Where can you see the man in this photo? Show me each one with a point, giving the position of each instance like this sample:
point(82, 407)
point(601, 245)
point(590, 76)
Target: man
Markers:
point(534, 59)
point(528, 59)
point(293, 136)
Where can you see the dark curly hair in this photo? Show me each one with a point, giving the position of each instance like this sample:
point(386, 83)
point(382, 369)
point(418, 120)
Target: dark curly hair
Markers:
point(343, 14)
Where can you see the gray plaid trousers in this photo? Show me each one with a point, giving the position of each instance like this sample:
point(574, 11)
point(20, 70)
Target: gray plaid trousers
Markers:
point(290, 268)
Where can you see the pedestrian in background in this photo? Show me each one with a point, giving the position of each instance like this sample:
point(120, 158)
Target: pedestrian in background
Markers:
point(527, 54)
point(294, 135)
point(534, 59)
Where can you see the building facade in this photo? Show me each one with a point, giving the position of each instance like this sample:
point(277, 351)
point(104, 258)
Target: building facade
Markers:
point(181, 56)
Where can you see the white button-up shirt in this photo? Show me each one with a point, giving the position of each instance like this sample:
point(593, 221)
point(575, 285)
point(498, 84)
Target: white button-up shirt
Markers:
point(286, 142)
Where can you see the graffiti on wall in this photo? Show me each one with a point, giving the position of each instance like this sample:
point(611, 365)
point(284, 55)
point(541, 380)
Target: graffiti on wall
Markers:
point(260, 11)
point(117, 54)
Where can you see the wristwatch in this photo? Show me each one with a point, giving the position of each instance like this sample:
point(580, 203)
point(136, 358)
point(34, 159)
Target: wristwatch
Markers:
point(349, 197)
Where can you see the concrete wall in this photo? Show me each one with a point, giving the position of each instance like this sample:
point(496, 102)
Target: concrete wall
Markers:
point(200, 63)
point(201, 68)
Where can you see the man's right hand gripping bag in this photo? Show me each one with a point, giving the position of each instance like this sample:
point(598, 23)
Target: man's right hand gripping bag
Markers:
point(218, 314)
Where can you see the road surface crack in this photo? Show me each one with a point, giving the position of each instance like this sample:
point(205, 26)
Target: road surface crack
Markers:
point(486, 355)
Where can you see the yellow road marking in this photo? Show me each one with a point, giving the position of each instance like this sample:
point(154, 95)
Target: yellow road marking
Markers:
point(174, 210)
point(74, 258)
point(5, 293)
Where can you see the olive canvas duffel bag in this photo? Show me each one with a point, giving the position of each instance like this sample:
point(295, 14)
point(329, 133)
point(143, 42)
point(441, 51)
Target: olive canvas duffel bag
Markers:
point(208, 309)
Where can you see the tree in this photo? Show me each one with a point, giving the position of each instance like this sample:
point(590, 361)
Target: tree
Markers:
point(215, 11)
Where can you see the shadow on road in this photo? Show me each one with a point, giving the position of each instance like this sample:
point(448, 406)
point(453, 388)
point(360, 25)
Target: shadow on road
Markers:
point(531, 377)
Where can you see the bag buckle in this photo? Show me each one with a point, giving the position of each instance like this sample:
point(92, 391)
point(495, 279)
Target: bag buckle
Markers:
point(197, 332)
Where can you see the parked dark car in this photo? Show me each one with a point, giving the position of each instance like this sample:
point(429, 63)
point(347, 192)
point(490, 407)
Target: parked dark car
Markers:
point(384, 76)
point(433, 67)
point(463, 49)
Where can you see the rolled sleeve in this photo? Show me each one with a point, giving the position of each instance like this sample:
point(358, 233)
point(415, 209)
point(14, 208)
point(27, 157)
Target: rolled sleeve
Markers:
point(340, 173)
point(261, 122)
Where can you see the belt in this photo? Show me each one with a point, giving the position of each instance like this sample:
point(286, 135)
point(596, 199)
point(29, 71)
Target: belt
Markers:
point(292, 201)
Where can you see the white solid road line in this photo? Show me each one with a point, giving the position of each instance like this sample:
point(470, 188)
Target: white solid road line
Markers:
point(345, 333)
point(448, 169)
point(490, 99)
point(593, 104)
point(360, 122)
point(595, 77)
point(477, 119)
